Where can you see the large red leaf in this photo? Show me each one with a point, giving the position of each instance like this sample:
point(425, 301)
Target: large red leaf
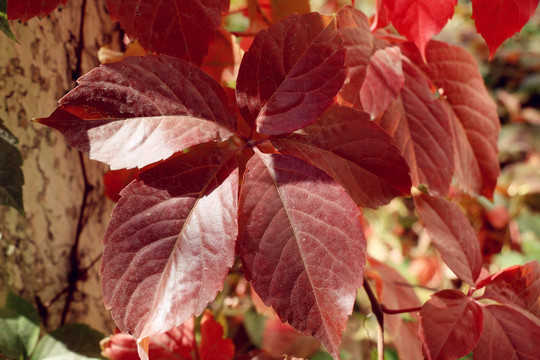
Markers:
point(170, 242)
point(419, 20)
point(213, 345)
point(291, 73)
point(508, 335)
point(472, 111)
point(395, 293)
point(519, 285)
point(143, 109)
point(452, 234)
point(181, 28)
point(301, 244)
point(384, 81)
point(355, 152)
point(421, 130)
point(353, 26)
point(450, 325)
point(498, 20)
point(27, 9)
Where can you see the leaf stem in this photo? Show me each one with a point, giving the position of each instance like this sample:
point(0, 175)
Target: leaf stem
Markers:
point(376, 307)
point(399, 311)
point(244, 33)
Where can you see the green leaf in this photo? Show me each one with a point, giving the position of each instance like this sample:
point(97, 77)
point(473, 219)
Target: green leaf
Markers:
point(11, 175)
point(70, 342)
point(19, 324)
point(4, 24)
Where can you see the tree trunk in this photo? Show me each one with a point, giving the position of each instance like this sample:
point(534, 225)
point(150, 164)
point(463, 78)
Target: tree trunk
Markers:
point(52, 256)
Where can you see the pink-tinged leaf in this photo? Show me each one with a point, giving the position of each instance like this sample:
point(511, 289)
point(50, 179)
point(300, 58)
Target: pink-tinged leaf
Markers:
point(181, 28)
point(508, 335)
point(381, 17)
point(301, 244)
point(421, 130)
point(355, 152)
point(170, 242)
point(498, 20)
point(353, 26)
point(213, 345)
point(175, 344)
point(419, 20)
point(452, 234)
point(291, 73)
point(395, 293)
point(450, 325)
point(384, 81)
point(24, 10)
point(519, 285)
point(472, 111)
point(142, 110)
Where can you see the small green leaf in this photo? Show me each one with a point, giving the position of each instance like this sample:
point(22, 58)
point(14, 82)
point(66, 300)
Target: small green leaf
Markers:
point(11, 175)
point(4, 24)
point(19, 324)
point(70, 342)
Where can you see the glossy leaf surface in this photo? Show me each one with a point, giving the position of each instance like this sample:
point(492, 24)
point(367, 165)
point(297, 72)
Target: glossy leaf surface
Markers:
point(291, 73)
point(170, 242)
point(11, 175)
point(450, 325)
point(452, 235)
point(24, 10)
point(142, 110)
point(301, 244)
point(355, 152)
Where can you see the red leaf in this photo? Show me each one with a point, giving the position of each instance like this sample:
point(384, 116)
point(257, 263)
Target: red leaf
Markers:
point(384, 81)
point(421, 130)
point(353, 26)
point(116, 180)
point(301, 244)
point(452, 235)
point(472, 111)
point(181, 28)
point(508, 335)
point(213, 345)
point(291, 73)
point(222, 58)
point(170, 242)
point(354, 151)
point(498, 20)
point(450, 325)
point(395, 293)
point(143, 110)
point(283, 8)
point(519, 285)
point(24, 10)
point(419, 20)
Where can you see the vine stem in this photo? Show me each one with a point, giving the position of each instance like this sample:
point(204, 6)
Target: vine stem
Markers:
point(377, 309)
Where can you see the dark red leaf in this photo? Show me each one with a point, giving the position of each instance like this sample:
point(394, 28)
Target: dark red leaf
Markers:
point(395, 293)
point(498, 20)
point(450, 325)
point(519, 285)
point(419, 20)
point(291, 73)
point(213, 345)
point(472, 111)
point(384, 81)
point(116, 180)
point(422, 132)
point(508, 335)
point(353, 26)
point(354, 151)
point(181, 28)
point(170, 242)
point(452, 235)
point(222, 58)
point(301, 244)
point(143, 109)
point(26, 9)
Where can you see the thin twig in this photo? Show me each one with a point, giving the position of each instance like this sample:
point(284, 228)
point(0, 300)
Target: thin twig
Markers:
point(399, 311)
point(377, 310)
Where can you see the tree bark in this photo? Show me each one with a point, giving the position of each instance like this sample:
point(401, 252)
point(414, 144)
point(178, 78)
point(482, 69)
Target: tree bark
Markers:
point(52, 256)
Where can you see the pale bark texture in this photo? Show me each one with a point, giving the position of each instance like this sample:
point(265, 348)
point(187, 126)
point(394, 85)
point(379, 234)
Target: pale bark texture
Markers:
point(52, 256)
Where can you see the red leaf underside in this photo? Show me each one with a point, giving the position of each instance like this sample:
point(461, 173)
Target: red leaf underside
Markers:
point(355, 152)
point(181, 28)
point(170, 242)
point(450, 325)
point(24, 10)
point(291, 73)
point(301, 244)
point(213, 345)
